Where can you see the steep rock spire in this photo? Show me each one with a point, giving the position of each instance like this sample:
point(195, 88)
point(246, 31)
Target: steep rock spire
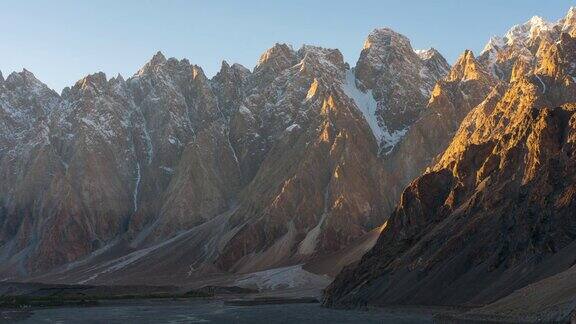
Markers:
point(466, 68)
point(278, 58)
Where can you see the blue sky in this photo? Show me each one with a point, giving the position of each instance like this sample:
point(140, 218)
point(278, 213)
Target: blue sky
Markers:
point(62, 41)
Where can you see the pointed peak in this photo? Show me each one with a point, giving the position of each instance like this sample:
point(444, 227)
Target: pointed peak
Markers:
point(468, 54)
point(98, 76)
point(434, 62)
point(224, 65)
point(117, 84)
point(279, 50)
point(537, 20)
point(65, 92)
point(27, 73)
point(320, 57)
point(520, 69)
point(320, 51)
point(534, 27)
point(533, 24)
point(23, 77)
point(466, 57)
point(569, 22)
point(224, 68)
point(197, 72)
point(118, 79)
point(465, 68)
point(525, 33)
point(384, 31)
point(494, 44)
point(92, 80)
point(278, 57)
point(385, 36)
point(1, 78)
point(231, 72)
point(175, 62)
point(240, 67)
point(426, 54)
point(158, 58)
point(279, 47)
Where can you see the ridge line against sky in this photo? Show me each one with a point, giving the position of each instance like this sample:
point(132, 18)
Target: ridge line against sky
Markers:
point(63, 41)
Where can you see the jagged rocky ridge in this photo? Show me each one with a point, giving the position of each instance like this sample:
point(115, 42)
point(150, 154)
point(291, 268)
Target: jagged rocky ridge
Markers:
point(170, 175)
point(495, 212)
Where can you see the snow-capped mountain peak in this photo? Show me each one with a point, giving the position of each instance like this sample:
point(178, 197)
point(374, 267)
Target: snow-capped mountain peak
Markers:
point(425, 54)
point(569, 22)
point(521, 34)
point(522, 40)
point(494, 44)
point(277, 54)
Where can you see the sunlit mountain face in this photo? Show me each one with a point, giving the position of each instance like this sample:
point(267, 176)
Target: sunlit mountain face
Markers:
point(498, 202)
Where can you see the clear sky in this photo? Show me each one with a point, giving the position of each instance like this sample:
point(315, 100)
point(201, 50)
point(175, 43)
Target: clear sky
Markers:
point(62, 41)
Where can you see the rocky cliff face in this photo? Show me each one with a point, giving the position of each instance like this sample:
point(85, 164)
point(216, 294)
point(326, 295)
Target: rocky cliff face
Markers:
point(170, 171)
point(452, 98)
point(496, 211)
point(400, 80)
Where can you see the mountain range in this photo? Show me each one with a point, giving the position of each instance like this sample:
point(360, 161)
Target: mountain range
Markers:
point(455, 181)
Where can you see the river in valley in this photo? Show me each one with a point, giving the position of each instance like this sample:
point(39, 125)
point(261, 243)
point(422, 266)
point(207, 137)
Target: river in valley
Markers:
point(208, 311)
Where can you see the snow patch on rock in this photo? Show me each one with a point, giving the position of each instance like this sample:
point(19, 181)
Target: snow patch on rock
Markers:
point(367, 105)
point(282, 278)
point(424, 54)
point(542, 83)
point(245, 111)
point(292, 127)
point(365, 102)
point(137, 186)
